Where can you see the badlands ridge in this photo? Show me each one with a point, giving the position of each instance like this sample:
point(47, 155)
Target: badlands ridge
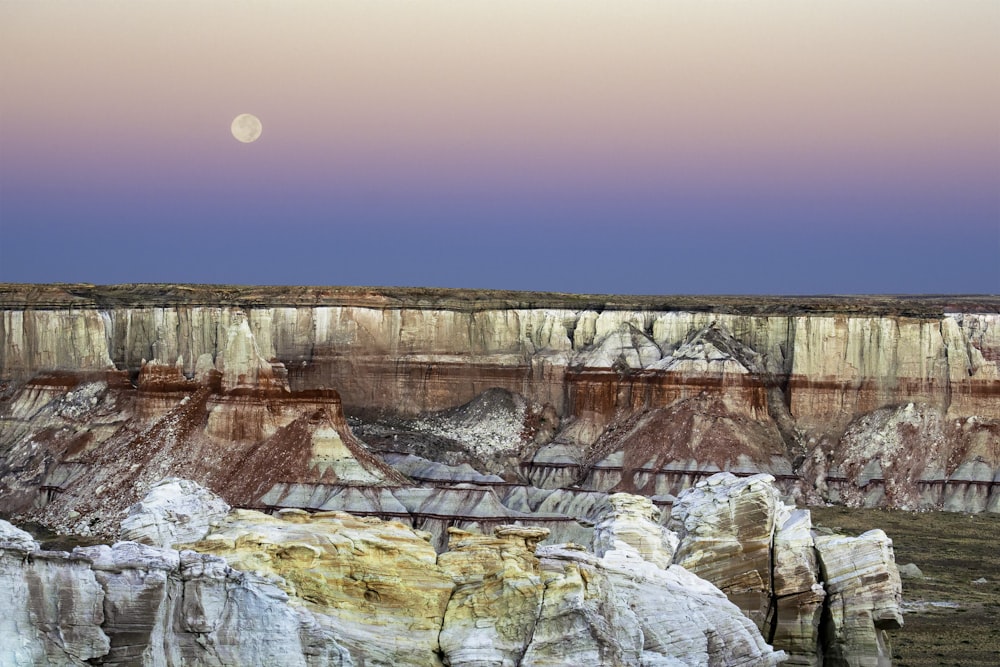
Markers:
point(474, 438)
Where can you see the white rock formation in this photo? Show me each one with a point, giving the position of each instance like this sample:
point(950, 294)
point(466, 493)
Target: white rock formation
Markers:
point(726, 525)
point(622, 610)
point(333, 589)
point(624, 347)
point(865, 594)
point(763, 554)
point(175, 608)
point(632, 526)
point(52, 605)
point(138, 605)
point(174, 511)
point(798, 593)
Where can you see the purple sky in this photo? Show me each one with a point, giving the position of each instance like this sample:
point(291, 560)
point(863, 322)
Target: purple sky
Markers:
point(629, 147)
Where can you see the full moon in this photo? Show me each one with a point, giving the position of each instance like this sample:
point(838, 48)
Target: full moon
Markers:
point(246, 128)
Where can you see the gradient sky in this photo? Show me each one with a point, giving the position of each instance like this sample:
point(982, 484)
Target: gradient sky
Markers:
point(644, 147)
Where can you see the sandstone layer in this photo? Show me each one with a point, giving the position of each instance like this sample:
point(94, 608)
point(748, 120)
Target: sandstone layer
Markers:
point(600, 393)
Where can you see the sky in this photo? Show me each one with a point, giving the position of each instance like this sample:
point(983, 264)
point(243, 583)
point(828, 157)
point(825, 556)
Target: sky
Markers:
point(632, 147)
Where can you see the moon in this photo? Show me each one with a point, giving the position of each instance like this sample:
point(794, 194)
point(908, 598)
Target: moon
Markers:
point(246, 128)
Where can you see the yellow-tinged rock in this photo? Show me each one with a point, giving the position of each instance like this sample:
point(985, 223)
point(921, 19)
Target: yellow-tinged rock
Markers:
point(498, 595)
point(379, 581)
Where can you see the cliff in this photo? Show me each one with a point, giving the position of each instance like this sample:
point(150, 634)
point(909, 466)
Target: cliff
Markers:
point(643, 394)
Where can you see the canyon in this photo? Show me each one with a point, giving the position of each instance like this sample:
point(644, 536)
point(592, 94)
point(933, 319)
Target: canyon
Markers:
point(522, 418)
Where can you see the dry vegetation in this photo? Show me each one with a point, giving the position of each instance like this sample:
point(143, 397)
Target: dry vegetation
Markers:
point(953, 551)
point(255, 296)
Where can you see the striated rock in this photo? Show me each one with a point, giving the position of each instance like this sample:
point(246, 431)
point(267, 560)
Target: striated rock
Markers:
point(765, 557)
point(798, 593)
point(170, 608)
point(333, 589)
point(174, 511)
point(767, 385)
point(377, 582)
point(864, 596)
point(497, 599)
point(625, 347)
point(726, 525)
point(53, 605)
point(46, 340)
point(78, 453)
point(133, 604)
point(435, 510)
point(160, 387)
point(424, 470)
point(621, 610)
point(633, 526)
point(700, 355)
point(863, 401)
point(665, 450)
point(240, 361)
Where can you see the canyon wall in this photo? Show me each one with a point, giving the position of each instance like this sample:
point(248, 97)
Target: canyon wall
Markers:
point(641, 394)
point(417, 358)
point(539, 419)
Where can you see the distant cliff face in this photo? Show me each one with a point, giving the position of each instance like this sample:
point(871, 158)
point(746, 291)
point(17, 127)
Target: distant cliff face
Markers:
point(831, 365)
point(860, 400)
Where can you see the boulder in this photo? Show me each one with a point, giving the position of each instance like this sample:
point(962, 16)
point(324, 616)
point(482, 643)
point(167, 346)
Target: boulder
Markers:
point(174, 511)
point(622, 610)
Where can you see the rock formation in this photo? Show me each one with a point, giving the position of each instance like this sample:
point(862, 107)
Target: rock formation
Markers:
point(333, 589)
point(174, 511)
point(865, 595)
point(138, 605)
point(632, 526)
point(726, 527)
point(330, 588)
point(79, 449)
point(824, 599)
point(524, 418)
point(604, 393)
